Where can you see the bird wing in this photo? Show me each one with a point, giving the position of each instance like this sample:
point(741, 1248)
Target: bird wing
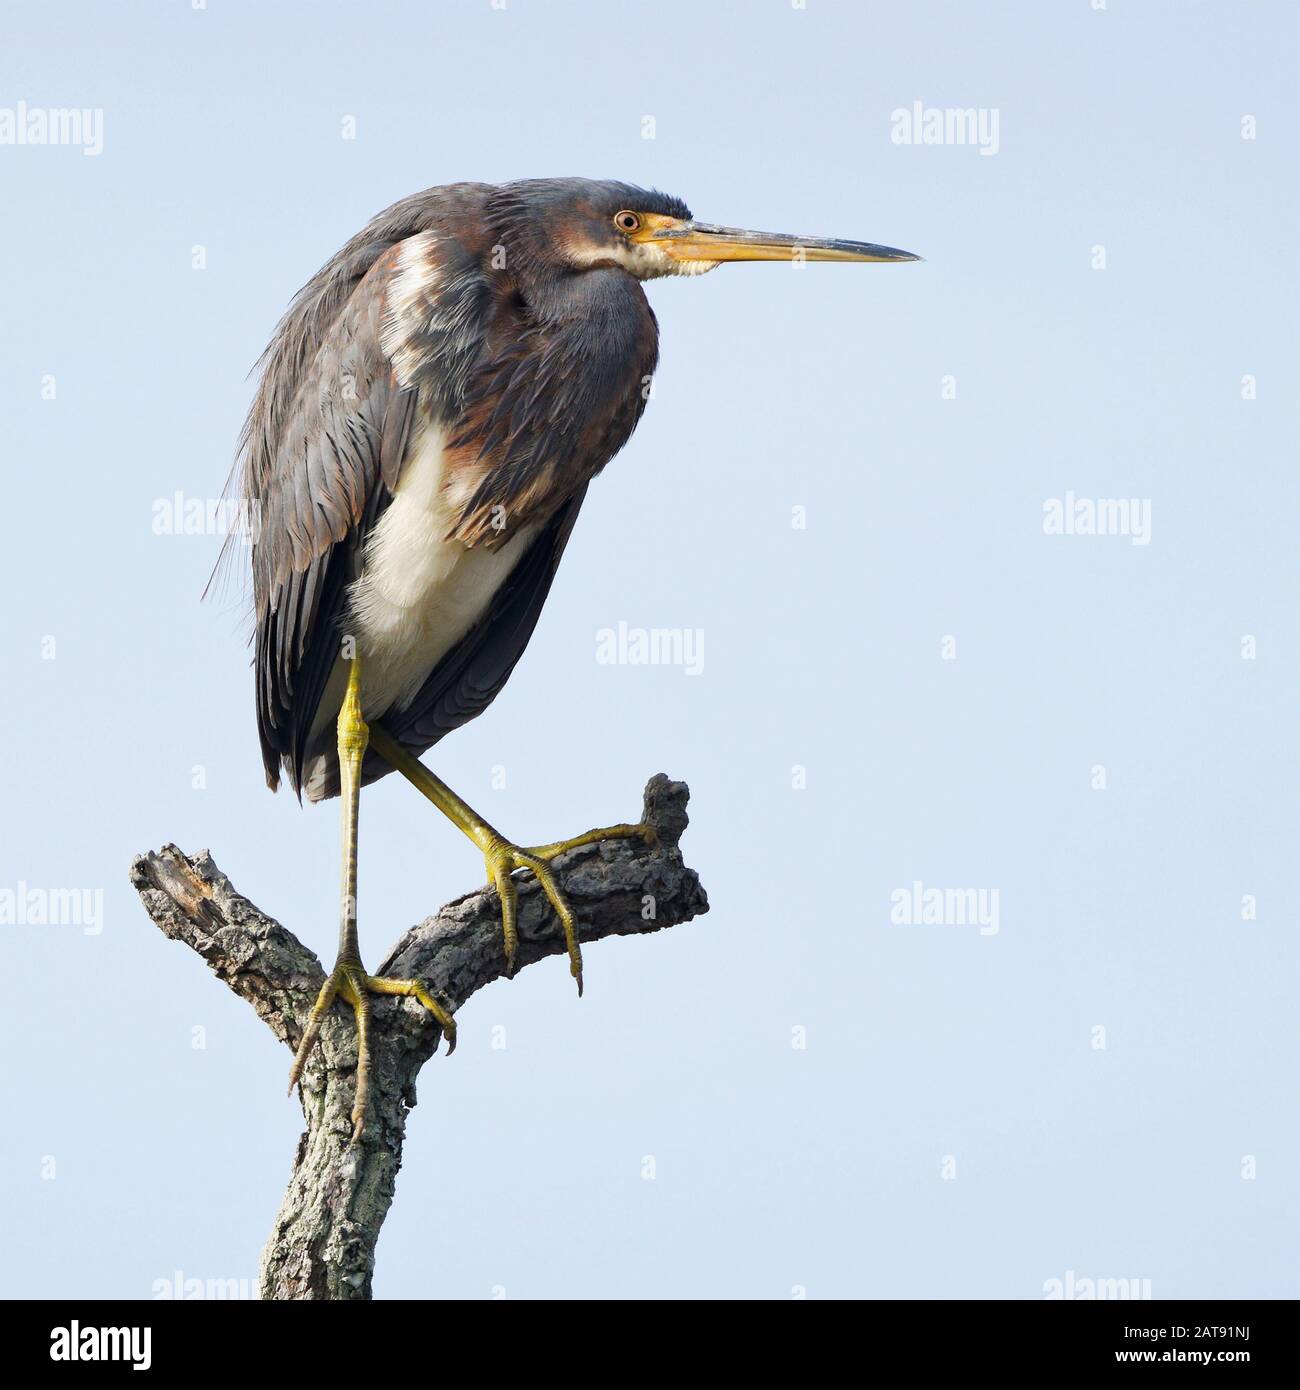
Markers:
point(403, 319)
point(410, 333)
point(332, 468)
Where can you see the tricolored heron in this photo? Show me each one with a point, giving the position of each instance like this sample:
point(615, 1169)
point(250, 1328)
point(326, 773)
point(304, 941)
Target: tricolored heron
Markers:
point(431, 410)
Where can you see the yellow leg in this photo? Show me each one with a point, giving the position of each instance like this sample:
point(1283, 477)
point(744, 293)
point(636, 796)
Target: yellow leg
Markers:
point(499, 854)
point(348, 980)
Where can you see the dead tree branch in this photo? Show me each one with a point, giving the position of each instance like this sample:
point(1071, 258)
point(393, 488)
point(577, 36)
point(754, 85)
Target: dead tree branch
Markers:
point(323, 1242)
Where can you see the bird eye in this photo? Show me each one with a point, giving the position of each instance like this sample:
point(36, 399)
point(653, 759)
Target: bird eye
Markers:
point(626, 221)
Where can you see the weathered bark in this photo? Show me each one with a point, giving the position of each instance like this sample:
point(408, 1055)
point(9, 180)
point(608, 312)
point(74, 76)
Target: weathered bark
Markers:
point(323, 1242)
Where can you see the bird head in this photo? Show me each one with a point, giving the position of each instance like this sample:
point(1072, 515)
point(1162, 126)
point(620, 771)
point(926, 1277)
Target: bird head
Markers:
point(586, 224)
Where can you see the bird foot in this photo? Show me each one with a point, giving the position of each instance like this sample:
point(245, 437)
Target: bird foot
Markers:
point(503, 859)
point(349, 981)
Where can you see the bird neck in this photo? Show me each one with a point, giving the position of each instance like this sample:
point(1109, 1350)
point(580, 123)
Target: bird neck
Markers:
point(602, 320)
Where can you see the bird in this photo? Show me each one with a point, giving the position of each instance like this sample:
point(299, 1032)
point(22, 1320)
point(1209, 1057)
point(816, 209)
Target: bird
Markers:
point(428, 416)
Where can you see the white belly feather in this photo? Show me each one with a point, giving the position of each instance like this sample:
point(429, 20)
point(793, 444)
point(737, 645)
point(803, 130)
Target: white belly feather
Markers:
point(419, 594)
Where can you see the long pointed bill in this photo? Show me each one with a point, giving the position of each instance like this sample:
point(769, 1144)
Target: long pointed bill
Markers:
point(702, 241)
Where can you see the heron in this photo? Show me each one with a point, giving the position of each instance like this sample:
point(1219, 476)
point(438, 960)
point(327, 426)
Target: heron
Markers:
point(429, 414)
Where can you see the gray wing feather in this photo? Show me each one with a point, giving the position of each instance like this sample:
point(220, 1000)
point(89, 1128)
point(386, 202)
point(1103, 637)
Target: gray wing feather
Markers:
point(332, 473)
point(320, 457)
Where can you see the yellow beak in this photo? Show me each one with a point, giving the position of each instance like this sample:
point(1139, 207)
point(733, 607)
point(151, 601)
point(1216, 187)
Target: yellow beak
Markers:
point(702, 241)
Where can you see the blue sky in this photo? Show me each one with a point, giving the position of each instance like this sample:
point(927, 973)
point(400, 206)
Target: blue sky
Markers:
point(840, 486)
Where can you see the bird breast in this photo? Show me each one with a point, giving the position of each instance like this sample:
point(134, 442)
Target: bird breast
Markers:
point(419, 592)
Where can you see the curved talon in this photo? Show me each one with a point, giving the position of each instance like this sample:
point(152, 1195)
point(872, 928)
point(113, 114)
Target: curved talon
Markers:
point(312, 1031)
point(361, 1089)
point(499, 874)
point(350, 982)
point(413, 989)
point(593, 837)
point(503, 859)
